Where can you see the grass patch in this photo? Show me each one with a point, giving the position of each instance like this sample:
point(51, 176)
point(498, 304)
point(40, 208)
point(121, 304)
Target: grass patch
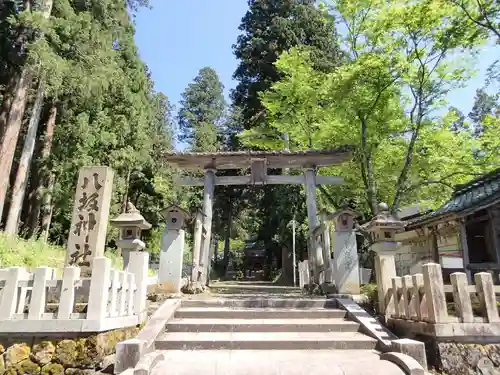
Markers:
point(15, 251)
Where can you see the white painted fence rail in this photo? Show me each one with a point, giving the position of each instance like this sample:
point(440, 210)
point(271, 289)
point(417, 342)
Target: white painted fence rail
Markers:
point(116, 298)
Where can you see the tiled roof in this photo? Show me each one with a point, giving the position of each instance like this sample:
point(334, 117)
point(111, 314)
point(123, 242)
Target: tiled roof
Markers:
point(468, 198)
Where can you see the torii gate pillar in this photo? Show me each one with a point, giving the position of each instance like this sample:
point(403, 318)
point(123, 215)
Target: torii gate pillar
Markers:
point(208, 199)
point(315, 249)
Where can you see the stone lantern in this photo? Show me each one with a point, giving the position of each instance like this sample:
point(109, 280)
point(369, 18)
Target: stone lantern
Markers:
point(176, 217)
point(382, 229)
point(131, 225)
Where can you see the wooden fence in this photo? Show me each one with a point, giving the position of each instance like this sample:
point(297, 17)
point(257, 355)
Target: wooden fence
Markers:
point(40, 302)
point(423, 298)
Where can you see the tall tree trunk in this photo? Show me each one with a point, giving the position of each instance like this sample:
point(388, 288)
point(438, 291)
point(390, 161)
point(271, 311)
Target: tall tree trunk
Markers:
point(5, 109)
point(13, 83)
point(20, 183)
point(11, 135)
point(47, 208)
point(42, 174)
point(15, 118)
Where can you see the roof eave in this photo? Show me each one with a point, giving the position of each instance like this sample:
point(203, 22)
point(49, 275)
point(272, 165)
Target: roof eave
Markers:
point(434, 220)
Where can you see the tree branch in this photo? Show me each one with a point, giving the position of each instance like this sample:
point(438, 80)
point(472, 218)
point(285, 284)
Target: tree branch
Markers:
point(488, 25)
point(440, 181)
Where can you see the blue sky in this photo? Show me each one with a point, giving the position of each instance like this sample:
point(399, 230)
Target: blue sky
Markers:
point(178, 38)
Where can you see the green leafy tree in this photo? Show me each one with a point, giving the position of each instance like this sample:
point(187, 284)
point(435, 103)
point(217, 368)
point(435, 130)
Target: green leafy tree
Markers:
point(484, 104)
point(400, 68)
point(102, 111)
point(202, 112)
point(481, 15)
point(268, 29)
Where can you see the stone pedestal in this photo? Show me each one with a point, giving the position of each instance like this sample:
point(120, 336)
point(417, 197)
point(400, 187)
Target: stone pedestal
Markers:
point(383, 228)
point(385, 270)
point(412, 348)
point(346, 269)
point(171, 256)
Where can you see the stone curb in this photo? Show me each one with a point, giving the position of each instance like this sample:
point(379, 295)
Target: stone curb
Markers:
point(407, 363)
point(147, 362)
point(369, 325)
point(130, 352)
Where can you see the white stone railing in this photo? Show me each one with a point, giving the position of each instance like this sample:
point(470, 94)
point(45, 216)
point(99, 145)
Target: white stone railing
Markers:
point(304, 273)
point(114, 299)
point(422, 297)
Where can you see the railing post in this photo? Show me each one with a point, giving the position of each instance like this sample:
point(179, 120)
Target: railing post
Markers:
point(406, 290)
point(420, 299)
point(131, 292)
point(139, 263)
point(486, 293)
point(122, 277)
point(434, 292)
point(67, 299)
point(413, 298)
point(113, 300)
point(39, 292)
point(8, 301)
point(22, 291)
point(461, 296)
point(396, 295)
point(99, 289)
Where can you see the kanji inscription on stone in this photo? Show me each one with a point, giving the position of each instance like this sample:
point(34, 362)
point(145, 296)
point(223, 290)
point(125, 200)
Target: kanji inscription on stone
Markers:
point(89, 222)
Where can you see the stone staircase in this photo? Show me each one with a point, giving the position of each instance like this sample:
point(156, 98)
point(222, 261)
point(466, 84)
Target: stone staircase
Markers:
point(262, 324)
point(257, 328)
point(264, 335)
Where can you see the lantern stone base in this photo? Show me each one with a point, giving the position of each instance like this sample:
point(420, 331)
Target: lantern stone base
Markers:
point(346, 263)
point(171, 257)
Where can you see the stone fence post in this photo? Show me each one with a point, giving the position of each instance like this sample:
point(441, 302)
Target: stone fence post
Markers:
point(383, 228)
point(434, 292)
point(139, 265)
point(99, 289)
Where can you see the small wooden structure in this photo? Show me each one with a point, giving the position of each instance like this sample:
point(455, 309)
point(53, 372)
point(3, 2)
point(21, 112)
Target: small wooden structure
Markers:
point(258, 163)
point(463, 235)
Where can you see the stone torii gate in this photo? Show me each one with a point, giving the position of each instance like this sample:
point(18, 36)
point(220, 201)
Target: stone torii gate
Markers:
point(258, 162)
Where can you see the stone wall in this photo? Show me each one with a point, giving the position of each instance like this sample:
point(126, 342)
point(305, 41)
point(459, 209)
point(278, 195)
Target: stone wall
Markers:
point(468, 359)
point(71, 355)
point(414, 252)
point(455, 358)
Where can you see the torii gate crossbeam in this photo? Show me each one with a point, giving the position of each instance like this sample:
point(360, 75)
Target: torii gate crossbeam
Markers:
point(258, 162)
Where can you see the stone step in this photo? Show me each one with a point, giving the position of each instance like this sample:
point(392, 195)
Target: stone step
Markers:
point(274, 362)
point(290, 303)
point(264, 341)
point(262, 325)
point(256, 313)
